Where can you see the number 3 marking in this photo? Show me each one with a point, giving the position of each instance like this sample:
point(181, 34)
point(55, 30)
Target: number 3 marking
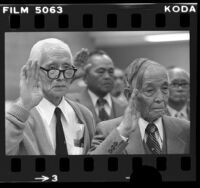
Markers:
point(54, 178)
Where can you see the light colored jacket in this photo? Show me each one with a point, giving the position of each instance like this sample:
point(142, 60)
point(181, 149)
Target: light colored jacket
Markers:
point(108, 141)
point(26, 135)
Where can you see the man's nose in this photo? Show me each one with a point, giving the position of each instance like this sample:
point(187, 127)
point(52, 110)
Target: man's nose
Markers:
point(61, 76)
point(107, 75)
point(180, 88)
point(159, 97)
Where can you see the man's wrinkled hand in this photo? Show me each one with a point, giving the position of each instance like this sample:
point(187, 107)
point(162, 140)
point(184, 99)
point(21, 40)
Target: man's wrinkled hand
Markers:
point(81, 57)
point(131, 116)
point(30, 87)
point(80, 61)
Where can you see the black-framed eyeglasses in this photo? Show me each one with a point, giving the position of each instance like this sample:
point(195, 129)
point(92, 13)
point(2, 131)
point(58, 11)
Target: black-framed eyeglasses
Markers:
point(55, 73)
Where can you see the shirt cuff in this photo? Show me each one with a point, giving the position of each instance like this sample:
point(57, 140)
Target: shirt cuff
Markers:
point(19, 112)
point(123, 137)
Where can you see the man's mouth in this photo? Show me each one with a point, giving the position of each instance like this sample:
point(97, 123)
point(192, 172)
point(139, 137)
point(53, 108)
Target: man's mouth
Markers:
point(158, 109)
point(60, 86)
point(107, 83)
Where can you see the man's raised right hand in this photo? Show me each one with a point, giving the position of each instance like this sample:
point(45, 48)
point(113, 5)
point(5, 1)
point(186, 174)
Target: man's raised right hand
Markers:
point(131, 116)
point(30, 86)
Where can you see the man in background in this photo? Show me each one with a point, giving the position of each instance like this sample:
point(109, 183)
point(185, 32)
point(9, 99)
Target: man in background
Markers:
point(118, 89)
point(99, 78)
point(179, 90)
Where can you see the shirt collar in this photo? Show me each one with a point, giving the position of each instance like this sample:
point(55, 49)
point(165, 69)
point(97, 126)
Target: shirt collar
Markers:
point(94, 98)
point(47, 109)
point(173, 112)
point(143, 124)
point(66, 109)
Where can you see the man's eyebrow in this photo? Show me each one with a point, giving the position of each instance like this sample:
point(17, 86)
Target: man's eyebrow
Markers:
point(67, 64)
point(56, 64)
point(51, 64)
point(101, 68)
point(148, 83)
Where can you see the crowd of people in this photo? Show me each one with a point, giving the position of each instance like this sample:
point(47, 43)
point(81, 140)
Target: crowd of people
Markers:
point(86, 105)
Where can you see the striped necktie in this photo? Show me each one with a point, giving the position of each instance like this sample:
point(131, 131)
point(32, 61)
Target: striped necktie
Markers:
point(61, 145)
point(151, 141)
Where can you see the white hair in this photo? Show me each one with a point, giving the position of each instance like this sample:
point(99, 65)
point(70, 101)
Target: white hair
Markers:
point(47, 45)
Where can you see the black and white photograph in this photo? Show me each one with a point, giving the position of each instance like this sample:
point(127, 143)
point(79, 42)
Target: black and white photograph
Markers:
point(97, 93)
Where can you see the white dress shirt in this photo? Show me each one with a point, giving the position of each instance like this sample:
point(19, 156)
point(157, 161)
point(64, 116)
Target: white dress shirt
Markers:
point(73, 131)
point(182, 114)
point(159, 137)
point(107, 106)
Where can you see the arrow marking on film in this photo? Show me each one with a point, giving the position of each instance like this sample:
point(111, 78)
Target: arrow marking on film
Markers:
point(43, 178)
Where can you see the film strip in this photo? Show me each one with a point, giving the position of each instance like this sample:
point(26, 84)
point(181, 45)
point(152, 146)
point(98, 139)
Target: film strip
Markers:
point(101, 17)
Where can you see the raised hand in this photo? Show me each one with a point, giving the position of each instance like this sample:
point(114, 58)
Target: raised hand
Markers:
point(80, 60)
point(81, 57)
point(30, 87)
point(131, 116)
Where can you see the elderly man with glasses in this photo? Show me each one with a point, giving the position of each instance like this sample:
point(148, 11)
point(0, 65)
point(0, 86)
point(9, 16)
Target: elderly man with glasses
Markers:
point(42, 121)
point(179, 93)
point(144, 128)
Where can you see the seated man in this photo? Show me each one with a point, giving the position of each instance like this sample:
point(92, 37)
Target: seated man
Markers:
point(144, 128)
point(179, 90)
point(42, 121)
point(99, 69)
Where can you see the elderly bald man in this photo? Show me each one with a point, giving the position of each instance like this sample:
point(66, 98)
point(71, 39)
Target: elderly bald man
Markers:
point(144, 127)
point(179, 90)
point(42, 121)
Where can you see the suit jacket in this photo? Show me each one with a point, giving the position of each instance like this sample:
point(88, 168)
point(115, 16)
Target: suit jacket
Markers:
point(26, 134)
point(187, 111)
point(117, 106)
point(108, 141)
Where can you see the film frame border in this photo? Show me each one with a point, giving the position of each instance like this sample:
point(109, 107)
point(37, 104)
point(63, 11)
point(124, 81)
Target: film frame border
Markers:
point(106, 18)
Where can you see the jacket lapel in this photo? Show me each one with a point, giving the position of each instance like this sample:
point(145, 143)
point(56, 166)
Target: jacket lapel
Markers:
point(44, 142)
point(86, 101)
point(135, 145)
point(116, 108)
point(82, 121)
point(175, 144)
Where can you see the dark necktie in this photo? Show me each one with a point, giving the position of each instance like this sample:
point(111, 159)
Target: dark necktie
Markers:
point(151, 141)
point(102, 113)
point(61, 145)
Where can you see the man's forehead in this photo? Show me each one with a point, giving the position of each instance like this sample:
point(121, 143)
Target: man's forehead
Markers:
point(155, 71)
point(152, 73)
point(100, 61)
point(56, 55)
point(178, 74)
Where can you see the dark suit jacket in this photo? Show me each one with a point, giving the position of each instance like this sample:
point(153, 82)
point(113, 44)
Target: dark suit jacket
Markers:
point(108, 141)
point(83, 97)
